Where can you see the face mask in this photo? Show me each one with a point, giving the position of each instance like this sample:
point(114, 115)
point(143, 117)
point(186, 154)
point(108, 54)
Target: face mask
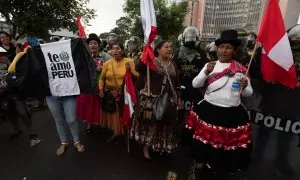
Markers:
point(213, 55)
point(132, 47)
point(189, 44)
point(33, 41)
point(295, 45)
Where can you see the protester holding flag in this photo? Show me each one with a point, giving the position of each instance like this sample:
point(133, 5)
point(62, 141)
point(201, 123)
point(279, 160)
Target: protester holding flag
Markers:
point(220, 124)
point(159, 135)
point(62, 70)
point(110, 87)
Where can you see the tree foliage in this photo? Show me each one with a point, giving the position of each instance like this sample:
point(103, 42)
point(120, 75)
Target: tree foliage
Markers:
point(103, 35)
point(169, 16)
point(122, 29)
point(40, 16)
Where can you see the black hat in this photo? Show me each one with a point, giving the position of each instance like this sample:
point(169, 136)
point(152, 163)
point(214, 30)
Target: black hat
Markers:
point(93, 37)
point(229, 36)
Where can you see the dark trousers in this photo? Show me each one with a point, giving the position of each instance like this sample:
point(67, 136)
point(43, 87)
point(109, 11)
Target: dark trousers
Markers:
point(16, 109)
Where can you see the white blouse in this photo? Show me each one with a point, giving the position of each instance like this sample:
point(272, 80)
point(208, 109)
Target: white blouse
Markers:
point(225, 96)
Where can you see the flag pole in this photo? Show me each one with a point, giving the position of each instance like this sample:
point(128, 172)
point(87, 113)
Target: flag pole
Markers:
point(148, 79)
point(252, 57)
point(128, 141)
point(249, 65)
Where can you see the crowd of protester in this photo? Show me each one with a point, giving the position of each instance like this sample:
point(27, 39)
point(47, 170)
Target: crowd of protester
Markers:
point(202, 90)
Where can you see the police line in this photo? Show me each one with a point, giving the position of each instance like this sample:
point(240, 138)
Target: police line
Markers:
point(275, 123)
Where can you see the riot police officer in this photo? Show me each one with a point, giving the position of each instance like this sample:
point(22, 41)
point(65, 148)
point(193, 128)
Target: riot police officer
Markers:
point(112, 39)
point(190, 60)
point(134, 48)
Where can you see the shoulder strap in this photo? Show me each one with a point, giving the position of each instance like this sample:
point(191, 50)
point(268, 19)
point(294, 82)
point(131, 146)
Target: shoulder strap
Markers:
point(208, 92)
point(114, 75)
point(171, 84)
point(164, 84)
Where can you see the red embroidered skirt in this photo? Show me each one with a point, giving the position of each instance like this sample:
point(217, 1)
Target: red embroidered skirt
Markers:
point(222, 136)
point(88, 108)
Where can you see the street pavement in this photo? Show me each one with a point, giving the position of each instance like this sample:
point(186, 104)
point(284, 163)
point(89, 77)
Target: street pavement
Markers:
point(111, 161)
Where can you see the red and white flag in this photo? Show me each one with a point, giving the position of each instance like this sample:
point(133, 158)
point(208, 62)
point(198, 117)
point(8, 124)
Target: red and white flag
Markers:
point(81, 32)
point(150, 30)
point(130, 100)
point(277, 64)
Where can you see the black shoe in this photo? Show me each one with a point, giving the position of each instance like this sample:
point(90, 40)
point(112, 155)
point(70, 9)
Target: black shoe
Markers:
point(88, 131)
point(34, 139)
point(112, 138)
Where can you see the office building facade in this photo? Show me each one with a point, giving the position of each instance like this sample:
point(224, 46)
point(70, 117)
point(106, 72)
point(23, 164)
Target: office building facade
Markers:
point(213, 16)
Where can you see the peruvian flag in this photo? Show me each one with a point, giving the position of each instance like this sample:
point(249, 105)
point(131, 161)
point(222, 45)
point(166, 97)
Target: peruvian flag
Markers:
point(277, 64)
point(150, 30)
point(81, 32)
point(130, 100)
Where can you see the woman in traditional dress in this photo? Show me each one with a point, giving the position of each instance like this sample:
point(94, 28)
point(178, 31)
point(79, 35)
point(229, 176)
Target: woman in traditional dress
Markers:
point(88, 105)
point(220, 123)
point(159, 136)
point(110, 87)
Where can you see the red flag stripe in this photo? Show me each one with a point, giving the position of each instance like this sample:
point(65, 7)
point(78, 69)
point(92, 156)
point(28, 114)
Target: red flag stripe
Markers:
point(130, 100)
point(152, 35)
point(148, 56)
point(81, 32)
point(272, 72)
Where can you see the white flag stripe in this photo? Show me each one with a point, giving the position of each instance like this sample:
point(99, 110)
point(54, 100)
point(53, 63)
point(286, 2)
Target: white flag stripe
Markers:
point(128, 101)
point(148, 17)
point(2, 49)
point(61, 69)
point(263, 51)
point(282, 55)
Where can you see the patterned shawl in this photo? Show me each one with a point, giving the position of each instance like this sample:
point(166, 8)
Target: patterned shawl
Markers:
point(234, 68)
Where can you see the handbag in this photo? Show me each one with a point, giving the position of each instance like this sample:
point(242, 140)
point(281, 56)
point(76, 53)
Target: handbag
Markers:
point(109, 101)
point(154, 107)
point(161, 103)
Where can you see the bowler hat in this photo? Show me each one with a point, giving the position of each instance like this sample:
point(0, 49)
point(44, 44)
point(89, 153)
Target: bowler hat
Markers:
point(93, 37)
point(229, 36)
